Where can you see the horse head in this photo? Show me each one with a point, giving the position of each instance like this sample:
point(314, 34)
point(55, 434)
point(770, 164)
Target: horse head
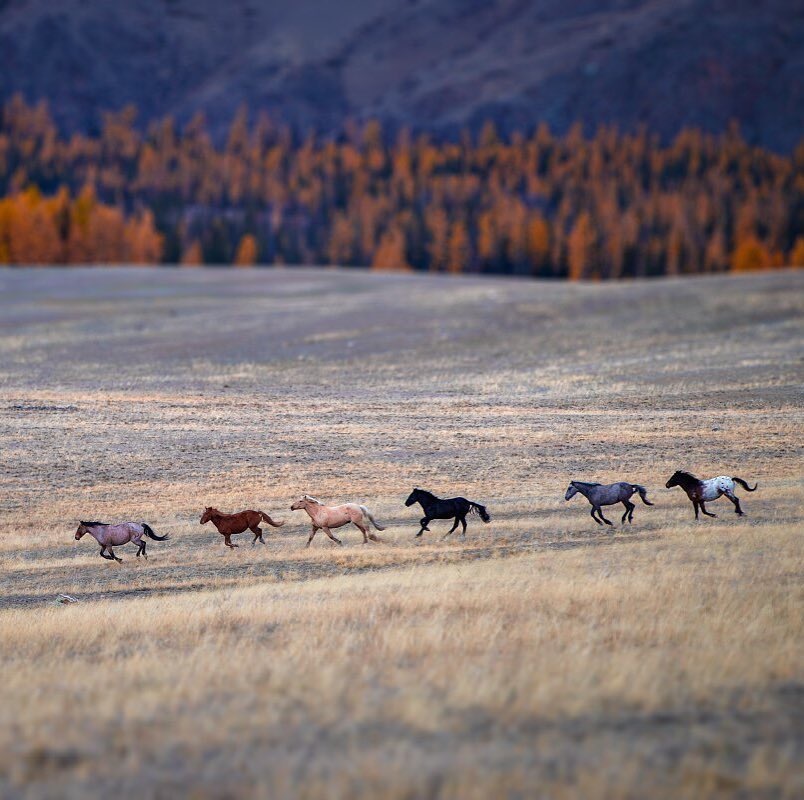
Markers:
point(84, 527)
point(413, 497)
point(305, 501)
point(571, 491)
point(675, 479)
point(207, 515)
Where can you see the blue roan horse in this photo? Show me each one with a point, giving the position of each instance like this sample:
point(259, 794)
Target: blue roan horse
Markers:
point(599, 495)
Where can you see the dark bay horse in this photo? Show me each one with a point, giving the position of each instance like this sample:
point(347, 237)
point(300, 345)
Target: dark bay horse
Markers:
point(607, 495)
point(229, 525)
point(438, 508)
point(704, 491)
point(108, 536)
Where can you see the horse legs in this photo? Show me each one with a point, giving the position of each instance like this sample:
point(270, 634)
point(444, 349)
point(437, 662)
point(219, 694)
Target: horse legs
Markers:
point(703, 508)
point(335, 538)
point(629, 511)
point(103, 554)
point(142, 549)
point(366, 528)
point(695, 506)
point(736, 500)
point(463, 522)
point(367, 534)
point(257, 531)
point(451, 529)
point(111, 552)
point(312, 533)
point(423, 522)
point(592, 512)
point(227, 539)
point(600, 513)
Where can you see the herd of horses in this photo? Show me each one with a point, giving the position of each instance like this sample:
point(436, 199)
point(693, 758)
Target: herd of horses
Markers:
point(325, 518)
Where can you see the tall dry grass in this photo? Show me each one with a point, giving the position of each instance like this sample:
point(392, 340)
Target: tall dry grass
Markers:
point(479, 660)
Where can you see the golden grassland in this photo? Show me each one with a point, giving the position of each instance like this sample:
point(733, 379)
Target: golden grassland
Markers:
point(539, 656)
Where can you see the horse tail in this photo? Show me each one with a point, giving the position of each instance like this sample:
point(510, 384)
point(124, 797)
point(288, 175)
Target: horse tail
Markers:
point(264, 516)
point(642, 493)
point(745, 485)
point(373, 521)
point(149, 532)
point(481, 510)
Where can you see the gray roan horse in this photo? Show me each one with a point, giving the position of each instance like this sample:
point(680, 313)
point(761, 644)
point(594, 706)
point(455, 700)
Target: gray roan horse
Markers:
point(108, 536)
point(599, 495)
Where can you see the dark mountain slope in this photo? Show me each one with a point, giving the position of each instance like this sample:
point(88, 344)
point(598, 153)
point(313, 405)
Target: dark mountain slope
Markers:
point(428, 63)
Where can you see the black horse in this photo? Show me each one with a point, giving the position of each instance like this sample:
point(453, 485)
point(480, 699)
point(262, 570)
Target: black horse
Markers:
point(436, 508)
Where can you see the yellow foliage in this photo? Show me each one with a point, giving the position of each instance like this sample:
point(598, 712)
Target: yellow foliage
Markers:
point(246, 255)
point(749, 255)
point(193, 256)
point(390, 253)
point(796, 258)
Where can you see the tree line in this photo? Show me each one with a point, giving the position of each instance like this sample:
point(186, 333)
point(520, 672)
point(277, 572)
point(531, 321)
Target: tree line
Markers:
point(601, 207)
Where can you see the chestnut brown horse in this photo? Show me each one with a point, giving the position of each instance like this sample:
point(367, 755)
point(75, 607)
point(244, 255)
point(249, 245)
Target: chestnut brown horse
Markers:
point(230, 524)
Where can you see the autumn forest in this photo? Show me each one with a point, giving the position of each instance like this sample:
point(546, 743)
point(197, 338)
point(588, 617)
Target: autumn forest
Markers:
point(537, 203)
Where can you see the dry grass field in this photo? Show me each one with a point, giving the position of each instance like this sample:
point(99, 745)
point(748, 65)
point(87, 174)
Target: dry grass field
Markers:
point(541, 656)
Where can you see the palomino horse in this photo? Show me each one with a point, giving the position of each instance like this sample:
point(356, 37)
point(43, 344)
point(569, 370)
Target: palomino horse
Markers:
point(599, 495)
point(438, 508)
point(229, 525)
point(326, 517)
point(111, 535)
point(700, 492)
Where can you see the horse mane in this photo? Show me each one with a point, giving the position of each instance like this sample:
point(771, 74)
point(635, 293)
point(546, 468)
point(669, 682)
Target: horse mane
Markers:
point(583, 483)
point(312, 499)
point(686, 474)
point(426, 493)
point(91, 524)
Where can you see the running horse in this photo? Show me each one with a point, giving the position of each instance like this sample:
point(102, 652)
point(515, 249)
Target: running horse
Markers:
point(229, 525)
point(445, 508)
point(705, 491)
point(108, 536)
point(326, 517)
point(599, 495)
